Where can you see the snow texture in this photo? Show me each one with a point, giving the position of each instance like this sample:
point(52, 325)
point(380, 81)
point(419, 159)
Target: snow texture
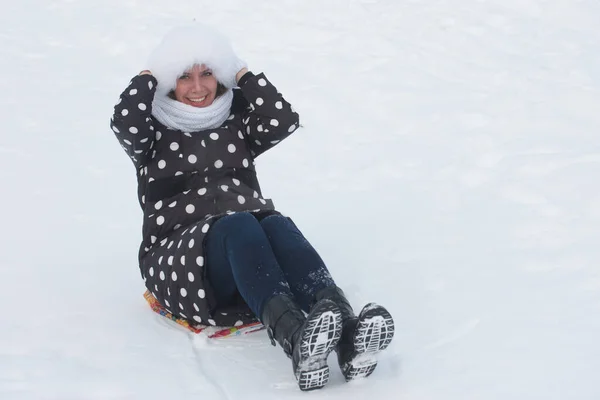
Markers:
point(464, 132)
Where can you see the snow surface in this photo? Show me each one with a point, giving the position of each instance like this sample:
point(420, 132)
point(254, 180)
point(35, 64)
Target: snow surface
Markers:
point(448, 169)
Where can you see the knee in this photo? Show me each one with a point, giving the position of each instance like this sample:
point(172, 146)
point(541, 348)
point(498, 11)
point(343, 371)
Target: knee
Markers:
point(274, 221)
point(238, 223)
point(238, 219)
point(279, 225)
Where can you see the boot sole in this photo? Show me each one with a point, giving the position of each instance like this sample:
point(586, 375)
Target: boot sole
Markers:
point(320, 336)
point(374, 333)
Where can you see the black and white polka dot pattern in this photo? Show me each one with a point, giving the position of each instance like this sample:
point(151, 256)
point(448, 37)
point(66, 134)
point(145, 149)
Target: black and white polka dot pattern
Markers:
point(187, 180)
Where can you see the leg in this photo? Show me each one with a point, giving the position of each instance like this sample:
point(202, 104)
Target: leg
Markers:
point(242, 248)
point(218, 269)
point(363, 336)
point(302, 266)
point(239, 257)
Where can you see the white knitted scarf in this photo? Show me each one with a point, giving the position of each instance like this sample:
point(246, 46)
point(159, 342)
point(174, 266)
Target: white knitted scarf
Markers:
point(183, 117)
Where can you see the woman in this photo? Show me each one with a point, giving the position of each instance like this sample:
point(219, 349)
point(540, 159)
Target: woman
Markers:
point(214, 250)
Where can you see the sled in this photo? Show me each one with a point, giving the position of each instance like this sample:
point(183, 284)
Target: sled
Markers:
point(211, 331)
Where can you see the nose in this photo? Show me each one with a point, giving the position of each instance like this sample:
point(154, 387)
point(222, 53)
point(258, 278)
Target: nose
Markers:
point(197, 84)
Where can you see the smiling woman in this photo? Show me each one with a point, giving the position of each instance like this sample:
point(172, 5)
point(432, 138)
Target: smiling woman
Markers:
point(215, 251)
point(197, 87)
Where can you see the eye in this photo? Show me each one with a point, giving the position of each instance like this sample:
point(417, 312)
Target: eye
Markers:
point(207, 73)
point(184, 76)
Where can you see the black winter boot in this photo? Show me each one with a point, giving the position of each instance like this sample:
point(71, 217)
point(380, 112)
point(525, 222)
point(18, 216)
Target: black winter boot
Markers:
point(306, 340)
point(362, 337)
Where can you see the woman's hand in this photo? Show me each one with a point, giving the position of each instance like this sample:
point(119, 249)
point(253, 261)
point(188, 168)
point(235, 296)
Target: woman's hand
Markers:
point(241, 73)
point(145, 72)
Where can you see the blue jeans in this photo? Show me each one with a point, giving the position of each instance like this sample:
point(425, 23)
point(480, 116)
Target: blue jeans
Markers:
point(262, 259)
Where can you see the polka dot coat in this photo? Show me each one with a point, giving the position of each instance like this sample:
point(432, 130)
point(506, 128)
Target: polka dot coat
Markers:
point(187, 180)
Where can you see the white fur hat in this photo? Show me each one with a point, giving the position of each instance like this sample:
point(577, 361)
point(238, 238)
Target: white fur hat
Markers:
point(184, 46)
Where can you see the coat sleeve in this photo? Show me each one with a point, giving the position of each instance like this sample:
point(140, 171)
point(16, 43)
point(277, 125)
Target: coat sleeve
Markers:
point(269, 118)
point(132, 121)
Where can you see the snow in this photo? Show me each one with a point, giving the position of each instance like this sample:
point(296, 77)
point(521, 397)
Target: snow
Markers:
point(462, 134)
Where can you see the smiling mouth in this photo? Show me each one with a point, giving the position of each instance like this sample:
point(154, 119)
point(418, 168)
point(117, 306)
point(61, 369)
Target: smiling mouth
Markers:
point(197, 100)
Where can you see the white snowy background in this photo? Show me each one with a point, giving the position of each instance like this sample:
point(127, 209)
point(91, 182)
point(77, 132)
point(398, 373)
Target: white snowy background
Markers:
point(448, 169)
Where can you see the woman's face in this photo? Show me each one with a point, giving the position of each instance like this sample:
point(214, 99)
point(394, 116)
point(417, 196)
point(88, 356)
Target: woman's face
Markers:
point(197, 87)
